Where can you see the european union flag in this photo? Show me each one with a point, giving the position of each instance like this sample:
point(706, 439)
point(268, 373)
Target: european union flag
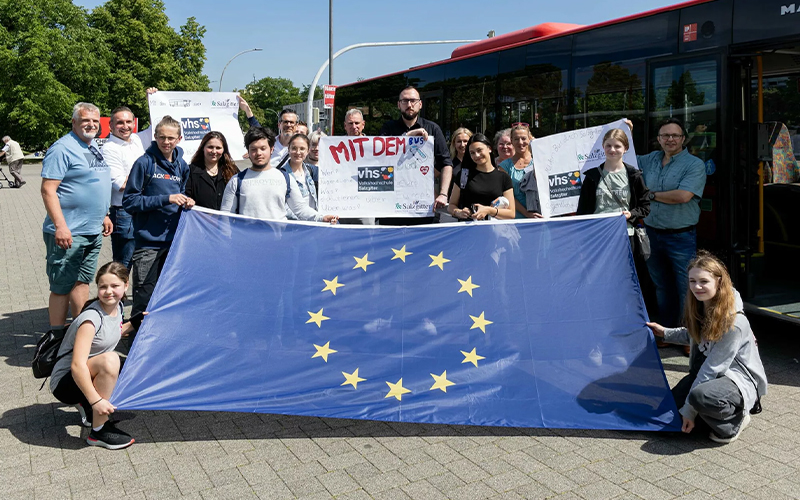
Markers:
point(532, 324)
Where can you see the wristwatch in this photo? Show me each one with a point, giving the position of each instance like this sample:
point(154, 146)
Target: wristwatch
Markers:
point(651, 195)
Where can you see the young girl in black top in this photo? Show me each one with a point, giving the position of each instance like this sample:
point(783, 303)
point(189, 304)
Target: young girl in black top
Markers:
point(480, 184)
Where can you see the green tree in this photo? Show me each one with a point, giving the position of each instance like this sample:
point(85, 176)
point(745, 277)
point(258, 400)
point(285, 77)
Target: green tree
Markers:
point(51, 60)
point(147, 52)
point(268, 96)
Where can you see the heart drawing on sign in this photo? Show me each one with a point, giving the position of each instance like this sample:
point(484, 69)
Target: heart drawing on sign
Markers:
point(424, 169)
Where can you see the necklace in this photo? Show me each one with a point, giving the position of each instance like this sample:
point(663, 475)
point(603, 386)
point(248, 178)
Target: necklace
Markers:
point(212, 172)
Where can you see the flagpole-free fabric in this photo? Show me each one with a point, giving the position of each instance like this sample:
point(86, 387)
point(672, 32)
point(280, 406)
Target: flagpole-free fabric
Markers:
point(533, 324)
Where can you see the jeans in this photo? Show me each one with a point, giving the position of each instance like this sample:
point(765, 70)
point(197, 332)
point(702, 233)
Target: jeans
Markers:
point(122, 243)
point(718, 402)
point(146, 266)
point(669, 258)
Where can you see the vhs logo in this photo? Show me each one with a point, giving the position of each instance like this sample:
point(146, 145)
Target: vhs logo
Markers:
point(565, 185)
point(195, 128)
point(376, 178)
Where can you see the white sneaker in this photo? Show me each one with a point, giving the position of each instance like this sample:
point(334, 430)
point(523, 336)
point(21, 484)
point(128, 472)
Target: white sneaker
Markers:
point(742, 426)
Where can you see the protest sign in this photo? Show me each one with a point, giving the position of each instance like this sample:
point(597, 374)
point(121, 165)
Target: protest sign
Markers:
point(561, 159)
point(376, 176)
point(200, 113)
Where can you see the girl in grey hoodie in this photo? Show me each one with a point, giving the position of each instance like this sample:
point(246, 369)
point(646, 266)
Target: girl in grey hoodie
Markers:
point(726, 378)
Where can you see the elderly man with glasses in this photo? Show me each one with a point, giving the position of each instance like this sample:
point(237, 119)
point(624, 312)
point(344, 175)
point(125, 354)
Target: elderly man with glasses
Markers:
point(76, 190)
point(410, 123)
point(676, 180)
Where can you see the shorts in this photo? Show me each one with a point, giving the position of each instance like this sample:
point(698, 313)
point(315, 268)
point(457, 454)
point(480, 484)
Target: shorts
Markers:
point(73, 265)
point(68, 392)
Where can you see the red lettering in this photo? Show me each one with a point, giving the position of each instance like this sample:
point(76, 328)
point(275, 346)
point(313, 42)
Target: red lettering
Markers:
point(360, 142)
point(341, 148)
point(352, 149)
point(401, 141)
point(378, 141)
point(391, 146)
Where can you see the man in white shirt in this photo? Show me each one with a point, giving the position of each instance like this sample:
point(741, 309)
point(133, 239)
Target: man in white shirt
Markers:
point(287, 124)
point(14, 155)
point(120, 151)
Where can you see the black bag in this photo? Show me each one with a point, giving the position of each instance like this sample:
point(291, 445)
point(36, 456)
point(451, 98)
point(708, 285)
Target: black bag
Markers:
point(46, 355)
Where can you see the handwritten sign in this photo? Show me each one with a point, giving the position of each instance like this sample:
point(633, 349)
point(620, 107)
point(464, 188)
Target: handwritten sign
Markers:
point(200, 113)
point(560, 161)
point(376, 176)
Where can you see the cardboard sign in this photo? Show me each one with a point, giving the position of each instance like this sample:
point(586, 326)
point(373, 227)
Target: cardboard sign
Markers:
point(561, 159)
point(200, 113)
point(376, 176)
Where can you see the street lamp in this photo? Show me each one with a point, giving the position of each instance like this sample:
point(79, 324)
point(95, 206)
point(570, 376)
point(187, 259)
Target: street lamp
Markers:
point(231, 59)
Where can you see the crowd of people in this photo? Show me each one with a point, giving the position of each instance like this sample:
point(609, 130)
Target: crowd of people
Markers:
point(135, 194)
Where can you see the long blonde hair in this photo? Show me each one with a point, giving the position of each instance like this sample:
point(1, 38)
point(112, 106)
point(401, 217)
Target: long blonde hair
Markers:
point(459, 131)
point(712, 319)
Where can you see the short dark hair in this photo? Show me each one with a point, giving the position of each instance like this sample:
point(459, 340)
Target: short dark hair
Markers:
point(409, 87)
point(672, 121)
point(258, 133)
point(120, 109)
point(284, 112)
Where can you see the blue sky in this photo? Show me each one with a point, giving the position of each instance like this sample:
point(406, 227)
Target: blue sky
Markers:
point(294, 35)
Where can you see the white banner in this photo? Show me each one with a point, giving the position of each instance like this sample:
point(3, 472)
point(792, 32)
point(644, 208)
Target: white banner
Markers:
point(376, 176)
point(561, 159)
point(200, 113)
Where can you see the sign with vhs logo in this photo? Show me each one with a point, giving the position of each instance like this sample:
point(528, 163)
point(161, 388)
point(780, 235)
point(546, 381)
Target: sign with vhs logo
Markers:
point(376, 176)
point(560, 161)
point(200, 113)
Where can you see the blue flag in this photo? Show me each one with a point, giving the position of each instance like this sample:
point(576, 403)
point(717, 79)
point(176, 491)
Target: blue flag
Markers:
point(533, 324)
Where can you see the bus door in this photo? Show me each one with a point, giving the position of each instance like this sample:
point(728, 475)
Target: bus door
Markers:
point(765, 100)
point(432, 106)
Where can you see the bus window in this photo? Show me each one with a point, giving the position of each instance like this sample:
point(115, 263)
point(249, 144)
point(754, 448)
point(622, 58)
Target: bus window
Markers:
point(537, 99)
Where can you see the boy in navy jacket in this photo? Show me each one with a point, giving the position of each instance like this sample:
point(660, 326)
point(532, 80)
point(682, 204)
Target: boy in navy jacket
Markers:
point(154, 195)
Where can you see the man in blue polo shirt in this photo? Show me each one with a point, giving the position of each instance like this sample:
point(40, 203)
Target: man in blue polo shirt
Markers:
point(76, 190)
point(676, 180)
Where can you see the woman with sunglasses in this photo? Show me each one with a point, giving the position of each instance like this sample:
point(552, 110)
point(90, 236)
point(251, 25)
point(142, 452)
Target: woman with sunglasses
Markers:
point(518, 166)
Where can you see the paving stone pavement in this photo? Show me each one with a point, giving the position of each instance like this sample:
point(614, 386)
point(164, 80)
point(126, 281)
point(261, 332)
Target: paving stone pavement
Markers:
point(206, 455)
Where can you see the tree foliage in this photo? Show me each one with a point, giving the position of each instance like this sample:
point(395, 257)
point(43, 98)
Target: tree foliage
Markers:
point(56, 54)
point(268, 96)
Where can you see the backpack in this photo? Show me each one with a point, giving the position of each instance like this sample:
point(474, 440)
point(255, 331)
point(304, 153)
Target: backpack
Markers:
point(240, 179)
point(45, 356)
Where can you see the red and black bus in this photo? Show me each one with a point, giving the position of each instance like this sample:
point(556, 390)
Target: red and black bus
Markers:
point(730, 69)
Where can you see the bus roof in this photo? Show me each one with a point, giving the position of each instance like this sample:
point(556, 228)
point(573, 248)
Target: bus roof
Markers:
point(538, 33)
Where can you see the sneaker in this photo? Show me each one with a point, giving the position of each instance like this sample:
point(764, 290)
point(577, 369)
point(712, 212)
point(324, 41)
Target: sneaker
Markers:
point(86, 415)
point(742, 426)
point(109, 437)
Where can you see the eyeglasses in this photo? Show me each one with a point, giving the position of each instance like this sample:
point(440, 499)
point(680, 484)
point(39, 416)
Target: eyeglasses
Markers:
point(521, 124)
point(670, 136)
point(166, 138)
point(288, 122)
point(408, 101)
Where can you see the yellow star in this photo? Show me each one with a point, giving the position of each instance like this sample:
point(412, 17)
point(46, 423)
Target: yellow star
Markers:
point(438, 260)
point(397, 390)
point(401, 254)
point(352, 379)
point(479, 322)
point(472, 357)
point(363, 262)
point(323, 351)
point(441, 381)
point(317, 318)
point(332, 285)
point(467, 286)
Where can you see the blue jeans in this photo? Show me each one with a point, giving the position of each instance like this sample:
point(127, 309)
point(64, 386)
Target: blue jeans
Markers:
point(122, 243)
point(667, 264)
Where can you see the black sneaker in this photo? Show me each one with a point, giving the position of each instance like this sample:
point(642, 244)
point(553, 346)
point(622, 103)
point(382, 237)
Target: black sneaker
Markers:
point(86, 414)
point(109, 437)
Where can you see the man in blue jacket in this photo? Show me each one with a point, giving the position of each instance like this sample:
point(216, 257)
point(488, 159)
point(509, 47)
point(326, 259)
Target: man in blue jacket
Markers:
point(154, 195)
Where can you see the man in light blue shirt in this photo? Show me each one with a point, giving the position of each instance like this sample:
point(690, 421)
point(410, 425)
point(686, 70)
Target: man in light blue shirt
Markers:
point(76, 190)
point(676, 180)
